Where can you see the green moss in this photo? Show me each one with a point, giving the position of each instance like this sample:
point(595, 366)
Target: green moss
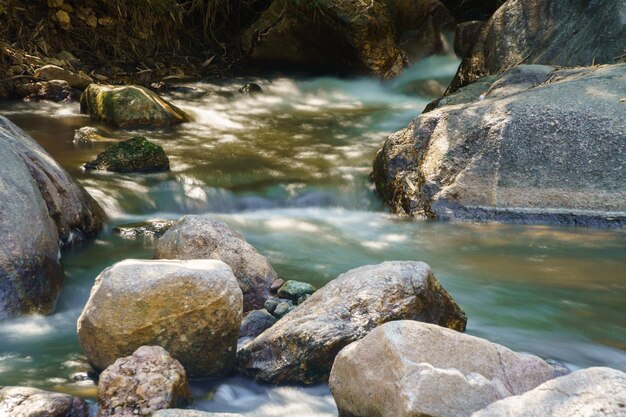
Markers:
point(133, 155)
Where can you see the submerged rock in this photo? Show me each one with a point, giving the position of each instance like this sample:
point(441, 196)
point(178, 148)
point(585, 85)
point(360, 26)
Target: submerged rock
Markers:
point(141, 384)
point(587, 392)
point(191, 308)
point(35, 190)
point(129, 106)
point(31, 402)
point(90, 134)
point(302, 346)
point(53, 72)
point(255, 323)
point(534, 145)
point(251, 89)
point(407, 368)
point(566, 33)
point(136, 154)
point(195, 237)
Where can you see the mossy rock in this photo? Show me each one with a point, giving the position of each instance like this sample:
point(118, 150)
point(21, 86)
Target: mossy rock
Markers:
point(133, 155)
point(129, 106)
point(293, 290)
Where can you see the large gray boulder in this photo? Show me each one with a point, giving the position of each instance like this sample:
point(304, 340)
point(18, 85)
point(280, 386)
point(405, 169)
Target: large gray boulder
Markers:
point(586, 393)
point(192, 309)
point(302, 345)
point(141, 384)
point(366, 38)
point(191, 413)
point(36, 191)
point(534, 145)
point(195, 237)
point(408, 368)
point(32, 402)
point(566, 33)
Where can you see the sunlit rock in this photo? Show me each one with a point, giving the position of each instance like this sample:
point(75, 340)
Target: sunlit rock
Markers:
point(27, 402)
point(587, 392)
point(141, 384)
point(534, 145)
point(193, 309)
point(53, 72)
point(301, 347)
point(129, 106)
point(408, 368)
point(195, 237)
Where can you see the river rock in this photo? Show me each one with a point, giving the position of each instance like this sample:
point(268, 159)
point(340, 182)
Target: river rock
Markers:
point(31, 402)
point(149, 228)
point(129, 106)
point(136, 154)
point(301, 347)
point(141, 384)
point(407, 368)
point(535, 145)
point(250, 89)
point(566, 33)
point(255, 323)
point(53, 72)
point(192, 413)
point(191, 308)
point(55, 90)
point(588, 392)
point(195, 237)
point(466, 36)
point(89, 134)
point(465, 10)
point(293, 290)
point(35, 190)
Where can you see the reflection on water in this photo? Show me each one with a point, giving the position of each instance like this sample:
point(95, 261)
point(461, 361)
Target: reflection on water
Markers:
point(289, 169)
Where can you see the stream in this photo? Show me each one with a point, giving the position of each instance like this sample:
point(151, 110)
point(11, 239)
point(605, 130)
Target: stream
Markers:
point(289, 169)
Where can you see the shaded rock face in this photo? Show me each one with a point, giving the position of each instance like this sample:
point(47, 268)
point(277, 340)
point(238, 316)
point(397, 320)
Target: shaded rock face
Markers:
point(195, 237)
point(301, 347)
point(55, 90)
point(407, 368)
point(136, 154)
point(587, 392)
point(35, 190)
point(192, 309)
point(129, 106)
point(565, 33)
point(367, 38)
point(141, 384)
point(465, 10)
point(535, 145)
point(255, 323)
point(31, 402)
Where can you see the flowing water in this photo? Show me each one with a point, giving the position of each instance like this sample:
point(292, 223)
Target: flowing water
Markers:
point(289, 169)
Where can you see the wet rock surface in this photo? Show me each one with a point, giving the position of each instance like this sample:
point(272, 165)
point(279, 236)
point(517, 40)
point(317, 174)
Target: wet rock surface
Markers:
point(129, 106)
point(133, 155)
point(141, 384)
point(302, 345)
point(193, 309)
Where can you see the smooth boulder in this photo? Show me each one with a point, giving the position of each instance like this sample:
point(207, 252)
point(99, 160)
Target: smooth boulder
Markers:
point(195, 237)
point(52, 72)
point(192, 413)
point(136, 154)
point(584, 393)
point(191, 308)
point(408, 368)
point(534, 145)
point(129, 107)
point(32, 402)
point(141, 384)
point(302, 345)
point(35, 190)
point(567, 33)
